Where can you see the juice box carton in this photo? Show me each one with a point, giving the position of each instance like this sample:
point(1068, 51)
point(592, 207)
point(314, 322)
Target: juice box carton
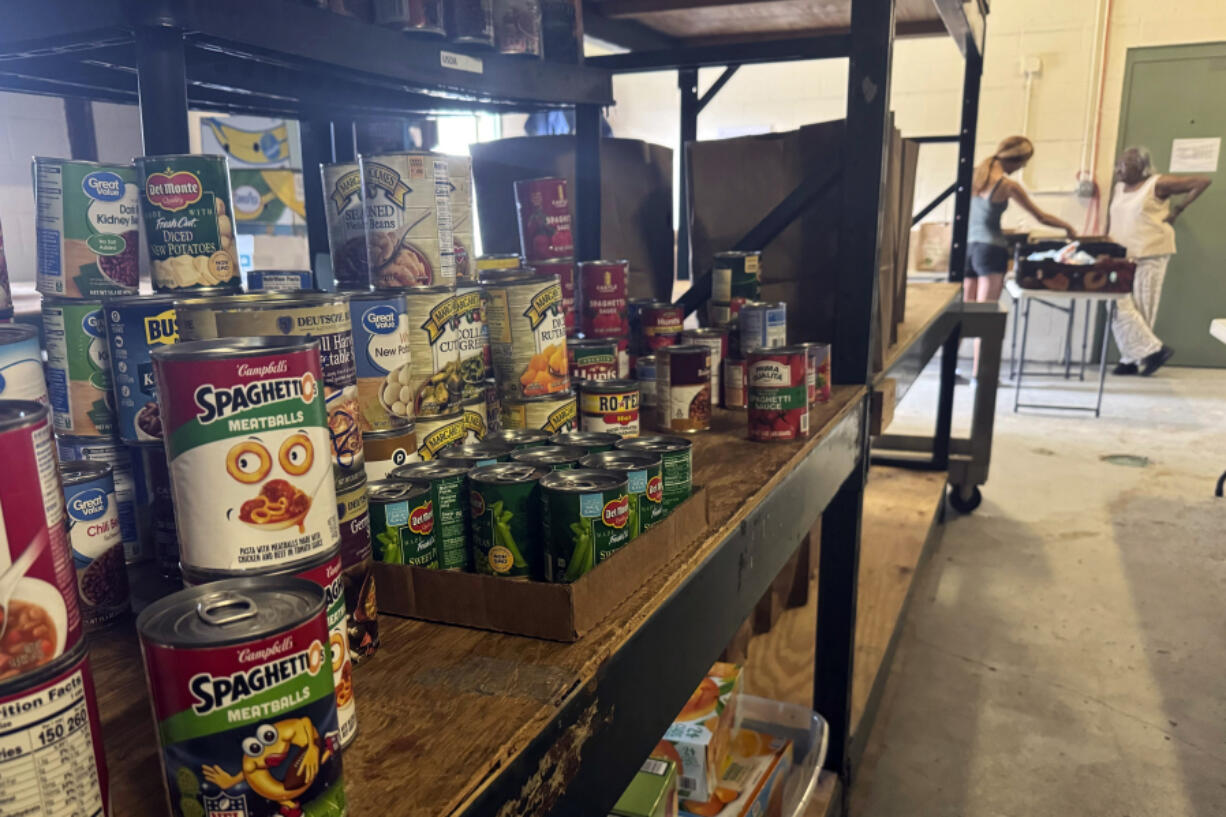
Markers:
point(652, 792)
point(753, 781)
point(698, 739)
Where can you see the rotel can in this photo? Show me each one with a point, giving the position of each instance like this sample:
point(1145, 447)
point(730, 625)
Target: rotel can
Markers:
point(777, 379)
point(134, 327)
point(585, 519)
point(505, 509)
point(610, 405)
point(93, 537)
point(449, 503)
point(602, 293)
point(408, 220)
point(543, 206)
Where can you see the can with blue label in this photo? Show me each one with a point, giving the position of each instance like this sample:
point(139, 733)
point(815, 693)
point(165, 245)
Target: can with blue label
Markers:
point(119, 456)
point(21, 364)
point(134, 326)
point(95, 541)
point(280, 280)
point(381, 349)
point(78, 368)
point(763, 325)
point(155, 508)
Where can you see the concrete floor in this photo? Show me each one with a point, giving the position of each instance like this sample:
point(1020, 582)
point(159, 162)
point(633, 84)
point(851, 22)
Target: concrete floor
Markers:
point(1065, 651)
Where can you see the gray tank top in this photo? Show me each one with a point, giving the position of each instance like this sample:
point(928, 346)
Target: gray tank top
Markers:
point(983, 225)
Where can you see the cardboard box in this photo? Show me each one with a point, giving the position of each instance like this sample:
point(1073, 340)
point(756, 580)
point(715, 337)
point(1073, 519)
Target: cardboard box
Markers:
point(881, 406)
point(933, 240)
point(753, 782)
point(652, 792)
point(698, 739)
point(559, 612)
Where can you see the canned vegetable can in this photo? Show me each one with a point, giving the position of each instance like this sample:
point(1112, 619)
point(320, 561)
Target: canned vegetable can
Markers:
point(564, 268)
point(449, 502)
point(497, 261)
point(519, 438)
point(408, 219)
point(402, 520)
point(477, 417)
point(432, 383)
point(592, 358)
point(389, 449)
point(474, 455)
point(763, 325)
point(543, 205)
point(778, 393)
point(590, 441)
point(93, 537)
point(550, 457)
point(345, 213)
point(644, 482)
point(683, 388)
point(134, 327)
point(527, 333)
point(21, 364)
point(505, 505)
point(610, 406)
point(585, 519)
point(460, 176)
point(676, 461)
point(382, 354)
point(551, 415)
point(78, 367)
point(434, 433)
point(352, 513)
point(472, 339)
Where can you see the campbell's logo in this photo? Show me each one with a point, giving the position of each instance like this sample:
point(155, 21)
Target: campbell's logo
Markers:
point(274, 669)
point(655, 489)
point(345, 189)
point(173, 191)
point(381, 319)
point(103, 185)
point(161, 329)
point(87, 505)
point(476, 503)
point(421, 518)
point(547, 300)
point(616, 512)
point(217, 402)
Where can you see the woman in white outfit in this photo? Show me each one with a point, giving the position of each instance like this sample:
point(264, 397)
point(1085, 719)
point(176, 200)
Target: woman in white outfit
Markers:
point(1142, 218)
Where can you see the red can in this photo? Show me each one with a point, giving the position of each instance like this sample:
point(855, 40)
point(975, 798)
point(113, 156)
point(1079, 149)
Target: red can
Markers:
point(661, 325)
point(592, 359)
point(564, 268)
point(818, 372)
point(44, 620)
point(777, 381)
point(544, 219)
point(602, 287)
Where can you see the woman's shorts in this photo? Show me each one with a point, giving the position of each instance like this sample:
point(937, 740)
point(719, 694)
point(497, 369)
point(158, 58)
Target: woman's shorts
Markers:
point(985, 259)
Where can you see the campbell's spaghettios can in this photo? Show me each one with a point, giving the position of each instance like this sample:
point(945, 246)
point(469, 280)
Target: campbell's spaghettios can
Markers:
point(715, 339)
point(736, 274)
point(345, 212)
point(21, 364)
point(609, 405)
point(763, 325)
point(155, 507)
point(408, 220)
point(527, 334)
point(602, 293)
point(543, 206)
point(78, 368)
point(552, 414)
point(388, 449)
point(93, 538)
point(448, 504)
point(460, 175)
point(241, 685)
point(683, 388)
point(135, 326)
point(736, 393)
point(53, 741)
point(585, 519)
point(470, 22)
point(382, 356)
point(505, 508)
point(778, 399)
point(819, 372)
point(592, 358)
point(676, 460)
point(564, 268)
point(413, 16)
point(43, 620)
point(247, 440)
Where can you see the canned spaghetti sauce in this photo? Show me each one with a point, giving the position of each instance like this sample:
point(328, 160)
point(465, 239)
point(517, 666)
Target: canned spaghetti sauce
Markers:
point(381, 352)
point(93, 537)
point(564, 268)
point(402, 520)
point(21, 364)
point(248, 449)
point(527, 334)
point(676, 461)
point(505, 508)
point(592, 358)
point(345, 213)
point(610, 405)
point(408, 220)
point(552, 415)
point(543, 206)
point(778, 394)
point(585, 519)
point(763, 325)
point(602, 289)
point(683, 388)
point(78, 368)
point(449, 503)
point(389, 449)
point(241, 685)
point(134, 326)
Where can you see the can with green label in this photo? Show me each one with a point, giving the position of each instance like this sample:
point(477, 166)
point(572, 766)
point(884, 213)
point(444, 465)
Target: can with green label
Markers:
point(474, 455)
point(592, 441)
point(519, 438)
point(506, 515)
point(449, 500)
point(78, 368)
point(585, 519)
point(645, 483)
point(402, 523)
point(676, 455)
point(551, 457)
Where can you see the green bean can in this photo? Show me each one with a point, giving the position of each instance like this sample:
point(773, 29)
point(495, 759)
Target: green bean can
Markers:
point(592, 441)
point(449, 501)
point(644, 482)
point(551, 457)
point(506, 521)
point(676, 461)
point(519, 438)
point(402, 523)
point(585, 519)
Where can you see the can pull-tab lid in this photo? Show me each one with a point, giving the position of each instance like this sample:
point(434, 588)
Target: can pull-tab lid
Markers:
point(225, 607)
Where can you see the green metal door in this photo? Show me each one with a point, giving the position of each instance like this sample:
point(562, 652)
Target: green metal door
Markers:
point(1179, 92)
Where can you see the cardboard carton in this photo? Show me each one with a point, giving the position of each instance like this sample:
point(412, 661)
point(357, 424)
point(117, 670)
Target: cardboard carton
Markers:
point(753, 781)
point(698, 739)
point(652, 792)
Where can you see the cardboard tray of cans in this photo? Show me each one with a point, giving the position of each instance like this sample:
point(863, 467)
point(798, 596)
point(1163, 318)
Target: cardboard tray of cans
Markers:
point(554, 611)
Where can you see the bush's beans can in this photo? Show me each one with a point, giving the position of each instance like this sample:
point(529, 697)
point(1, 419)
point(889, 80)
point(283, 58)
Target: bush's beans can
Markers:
point(819, 372)
point(449, 503)
point(44, 620)
point(715, 339)
point(470, 21)
point(155, 507)
point(505, 505)
point(88, 222)
point(736, 393)
point(592, 358)
point(550, 457)
point(736, 274)
point(660, 326)
point(683, 388)
point(186, 206)
point(353, 515)
point(645, 483)
point(551, 415)
point(585, 519)
point(589, 441)
point(281, 280)
point(474, 455)
point(520, 438)
point(610, 405)
point(389, 449)
point(120, 458)
point(240, 679)
point(460, 176)
point(497, 261)
point(432, 384)
point(473, 339)
point(527, 334)
point(778, 393)
point(763, 325)
point(382, 357)
point(602, 291)
point(543, 206)
point(408, 220)
point(346, 212)
point(134, 326)
point(436, 432)
point(53, 742)
point(21, 364)
point(517, 32)
point(247, 441)
point(564, 268)
point(402, 520)
point(676, 460)
point(78, 368)
point(93, 537)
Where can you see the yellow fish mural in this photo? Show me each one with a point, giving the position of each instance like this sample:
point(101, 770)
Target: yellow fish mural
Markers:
point(256, 147)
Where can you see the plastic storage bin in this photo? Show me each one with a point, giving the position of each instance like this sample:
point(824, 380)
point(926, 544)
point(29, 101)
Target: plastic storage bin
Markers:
point(809, 735)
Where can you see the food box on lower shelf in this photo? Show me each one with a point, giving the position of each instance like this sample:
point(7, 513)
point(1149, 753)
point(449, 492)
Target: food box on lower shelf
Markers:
point(698, 739)
point(652, 792)
point(559, 612)
point(752, 782)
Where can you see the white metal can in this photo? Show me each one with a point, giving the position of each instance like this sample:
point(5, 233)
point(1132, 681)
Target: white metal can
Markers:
point(345, 213)
point(21, 364)
point(460, 172)
point(408, 220)
point(527, 334)
point(763, 325)
point(609, 405)
point(432, 384)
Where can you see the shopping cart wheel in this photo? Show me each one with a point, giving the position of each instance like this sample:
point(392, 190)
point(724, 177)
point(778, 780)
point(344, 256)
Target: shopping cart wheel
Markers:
point(965, 501)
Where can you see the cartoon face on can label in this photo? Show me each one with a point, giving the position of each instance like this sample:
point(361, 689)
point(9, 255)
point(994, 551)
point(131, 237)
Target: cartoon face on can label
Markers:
point(328, 576)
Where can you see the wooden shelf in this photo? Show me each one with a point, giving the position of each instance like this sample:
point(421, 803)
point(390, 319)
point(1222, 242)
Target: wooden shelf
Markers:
point(926, 303)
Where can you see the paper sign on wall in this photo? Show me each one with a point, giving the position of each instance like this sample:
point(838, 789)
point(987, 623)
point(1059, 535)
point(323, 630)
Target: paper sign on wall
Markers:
point(1195, 155)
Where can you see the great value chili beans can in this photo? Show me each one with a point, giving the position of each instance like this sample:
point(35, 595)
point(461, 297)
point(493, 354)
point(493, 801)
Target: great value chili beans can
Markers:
point(155, 507)
point(660, 325)
point(474, 455)
point(592, 358)
point(602, 293)
point(763, 325)
point(715, 339)
point(247, 442)
point(78, 368)
point(44, 620)
point(543, 206)
point(585, 519)
point(436, 432)
point(460, 176)
point(644, 482)
point(449, 503)
point(389, 449)
point(54, 761)
point(473, 340)
point(778, 393)
point(416, 16)
point(819, 372)
point(241, 685)
point(550, 457)
point(88, 226)
point(345, 212)
point(683, 388)
point(564, 268)
point(527, 334)
point(589, 441)
point(517, 32)
point(520, 438)
point(402, 519)
point(504, 503)
point(551, 415)
point(408, 220)
point(736, 274)
point(382, 357)
point(21, 364)
point(676, 461)
point(93, 538)
point(611, 406)
point(736, 391)
point(186, 206)
point(352, 514)
point(135, 326)
point(120, 457)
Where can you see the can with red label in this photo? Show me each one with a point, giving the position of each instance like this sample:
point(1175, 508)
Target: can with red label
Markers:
point(715, 339)
point(592, 358)
point(95, 542)
point(44, 619)
point(564, 268)
point(683, 388)
point(660, 326)
point(609, 405)
point(778, 394)
point(736, 395)
point(819, 372)
point(602, 292)
point(543, 206)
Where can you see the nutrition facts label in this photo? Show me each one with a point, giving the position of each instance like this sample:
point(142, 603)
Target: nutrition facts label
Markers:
point(47, 762)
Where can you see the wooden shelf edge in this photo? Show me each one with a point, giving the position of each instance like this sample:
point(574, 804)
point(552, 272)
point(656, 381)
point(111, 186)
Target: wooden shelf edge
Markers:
point(926, 302)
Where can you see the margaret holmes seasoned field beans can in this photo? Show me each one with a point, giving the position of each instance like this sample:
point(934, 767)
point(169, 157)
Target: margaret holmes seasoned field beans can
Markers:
point(345, 213)
point(527, 334)
point(432, 384)
point(21, 364)
point(683, 388)
point(402, 519)
point(778, 393)
point(460, 175)
point(93, 537)
point(585, 519)
point(644, 482)
point(382, 356)
point(505, 505)
point(609, 405)
point(248, 448)
point(134, 327)
point(408, 220)
point(450, 506)
point(676, 461)
point(241, 687)
point(78, 368)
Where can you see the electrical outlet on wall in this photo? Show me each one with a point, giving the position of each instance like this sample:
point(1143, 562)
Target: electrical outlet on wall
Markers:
point(1032, 65)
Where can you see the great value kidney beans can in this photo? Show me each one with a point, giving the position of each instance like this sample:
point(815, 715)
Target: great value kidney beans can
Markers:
point(21, 364)
point(388, 449)
point(280, 280)
point(473, 339)
point(88, 228)
point(449, 504)
point(676, 464)
point(460, 175)
point(553, 414)
point(543, 206)
point(602, 293)
point(155, 507)
point(736, 392)
point(592, 358)
point(550, 457)
point(78, 368)
point(505, 508)
point(382, 354)
point(119, 456)
point(683, 388)
point(241, 685)
point(763, 325)
point(134, 326)
point(247, 442)
point(585, 519)
point(432, 383)
point(345, 212)
point(527, 334)
point(778, 393)
point(54, 761)
point(44, 620)
point(408, 220)
point(93, 537)
point(610, 405)
point(736, 274)
point(644, 482)
point(564, 268)
point(715, 339)
point(402, 518)
point(819, 372)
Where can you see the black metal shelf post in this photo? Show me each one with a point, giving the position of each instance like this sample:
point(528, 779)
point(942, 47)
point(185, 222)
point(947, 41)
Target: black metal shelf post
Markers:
point(161, 65)
point(687, 82)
